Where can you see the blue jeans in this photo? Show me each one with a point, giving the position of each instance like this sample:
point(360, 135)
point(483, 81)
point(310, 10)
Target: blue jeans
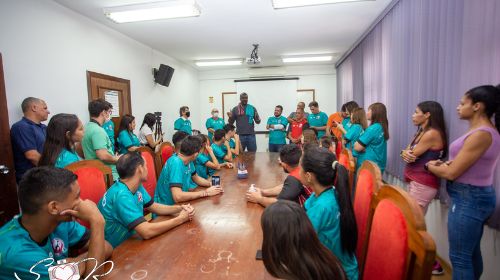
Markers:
point(470, 207)
point(275, 148)
point(248, 142)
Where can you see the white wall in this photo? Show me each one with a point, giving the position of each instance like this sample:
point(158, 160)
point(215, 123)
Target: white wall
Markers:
point(48, 48)
point(322, 78)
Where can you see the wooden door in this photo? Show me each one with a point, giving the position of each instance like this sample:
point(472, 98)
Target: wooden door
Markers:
point(8, 188)
point(229, 100)
point(306, 96)
point(113, 89)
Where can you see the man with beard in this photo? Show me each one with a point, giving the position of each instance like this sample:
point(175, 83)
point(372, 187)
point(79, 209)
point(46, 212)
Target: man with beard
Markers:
point(292, 189)
point(277, 130)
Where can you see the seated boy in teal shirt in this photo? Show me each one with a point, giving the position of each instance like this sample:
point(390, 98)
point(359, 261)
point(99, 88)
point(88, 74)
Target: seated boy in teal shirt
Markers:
point(49, 198)
point(174, 184)
point(206, 163)
point(234, 139)
point(221, 148)
point(123, 205)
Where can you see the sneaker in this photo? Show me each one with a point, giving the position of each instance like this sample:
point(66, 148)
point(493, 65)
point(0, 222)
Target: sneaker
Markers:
point(437, 269)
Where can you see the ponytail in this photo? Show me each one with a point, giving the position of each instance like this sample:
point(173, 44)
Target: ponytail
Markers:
point(323, 164)
point(490, 97)
point(348, 226)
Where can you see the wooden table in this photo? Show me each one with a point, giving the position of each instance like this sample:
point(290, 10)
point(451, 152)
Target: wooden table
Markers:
point(220, 243)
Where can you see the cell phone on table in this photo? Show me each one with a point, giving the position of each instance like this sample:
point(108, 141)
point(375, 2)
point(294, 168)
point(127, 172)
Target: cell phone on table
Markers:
point(258, 256)
point(215, 180)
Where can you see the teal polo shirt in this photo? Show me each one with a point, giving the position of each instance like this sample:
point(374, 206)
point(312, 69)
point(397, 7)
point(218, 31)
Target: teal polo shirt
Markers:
point(109, 127)
point(277, 136)
point(375, 146)
point(174, 174)
point(323, 212)
point(317, 120)
point(66, 157)
point(184, 125)
point(352, 136)
point(200, 164)
point(220, 152)
point(123, 210)
point(19, 253)
point(346, 123)
point(127, 139)
point(214, 124)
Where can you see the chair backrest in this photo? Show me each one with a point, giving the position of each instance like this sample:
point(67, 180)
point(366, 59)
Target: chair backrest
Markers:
point(148, 156)
point(349, 162)
point(94, 178)
point(368, 182)
point(398, 246)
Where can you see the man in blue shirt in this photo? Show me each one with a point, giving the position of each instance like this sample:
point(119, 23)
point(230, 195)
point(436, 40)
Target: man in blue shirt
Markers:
point(277, 130)
point(183, 123)
point(49, 198)
point(213, 123)
point(175, 182)
point(123, 205)
point(317, 120)
point(245, 115)
point(28, 135)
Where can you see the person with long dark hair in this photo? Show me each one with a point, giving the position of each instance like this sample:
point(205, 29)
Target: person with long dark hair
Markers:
point(146, 132)
point(429, 143)
point(372, 145)
point(329, 207)
point(470, 171)
point(291, 248)
point(63, 132)
point(127, 141)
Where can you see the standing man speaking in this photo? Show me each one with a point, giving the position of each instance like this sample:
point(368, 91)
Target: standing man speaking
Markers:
point(245, 114)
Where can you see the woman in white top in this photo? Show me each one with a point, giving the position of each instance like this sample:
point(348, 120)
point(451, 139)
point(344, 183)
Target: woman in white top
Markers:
point(146, 132)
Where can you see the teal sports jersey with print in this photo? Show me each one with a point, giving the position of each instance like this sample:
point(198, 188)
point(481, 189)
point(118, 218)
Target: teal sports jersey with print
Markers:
point(200, 164)
point(19, 253)
point(123, 211)
point(352, 136)
point(66, 157)
point(232, 145)
point(318, 120)
point(214, 124)
point(323, 212)
point(220, 152)
point(126, 140)
point(346, 123)
point(277, 136)
point(192, 171)
point(183, 125)
point(174, 173)
point(109, 127)
point(375, 146)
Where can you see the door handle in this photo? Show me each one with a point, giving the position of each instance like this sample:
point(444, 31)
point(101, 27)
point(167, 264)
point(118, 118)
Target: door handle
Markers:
point(4, 169)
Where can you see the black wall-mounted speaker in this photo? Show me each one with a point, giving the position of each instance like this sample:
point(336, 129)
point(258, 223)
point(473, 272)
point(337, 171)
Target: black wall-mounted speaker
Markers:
point(163, 75)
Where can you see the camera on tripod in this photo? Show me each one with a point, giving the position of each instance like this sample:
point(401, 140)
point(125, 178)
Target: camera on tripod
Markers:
point(158, 131)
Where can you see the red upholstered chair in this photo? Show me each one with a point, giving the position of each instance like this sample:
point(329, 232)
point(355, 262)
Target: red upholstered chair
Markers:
point(368, 183)
point(165, 151)
point(94, 178)
point(149, 158)
point(349, 162)
point(398, 246)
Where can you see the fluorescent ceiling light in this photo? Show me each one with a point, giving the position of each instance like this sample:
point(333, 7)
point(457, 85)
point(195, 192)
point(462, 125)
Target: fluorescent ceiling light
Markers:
point(281, 4)
point(218, 62)
point(153, 11)
point(307, 58)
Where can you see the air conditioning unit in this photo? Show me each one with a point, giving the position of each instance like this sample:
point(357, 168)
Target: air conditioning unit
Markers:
point(257, 72)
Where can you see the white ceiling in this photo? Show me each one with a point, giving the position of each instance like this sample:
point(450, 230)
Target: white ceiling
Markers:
point(228, 28)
